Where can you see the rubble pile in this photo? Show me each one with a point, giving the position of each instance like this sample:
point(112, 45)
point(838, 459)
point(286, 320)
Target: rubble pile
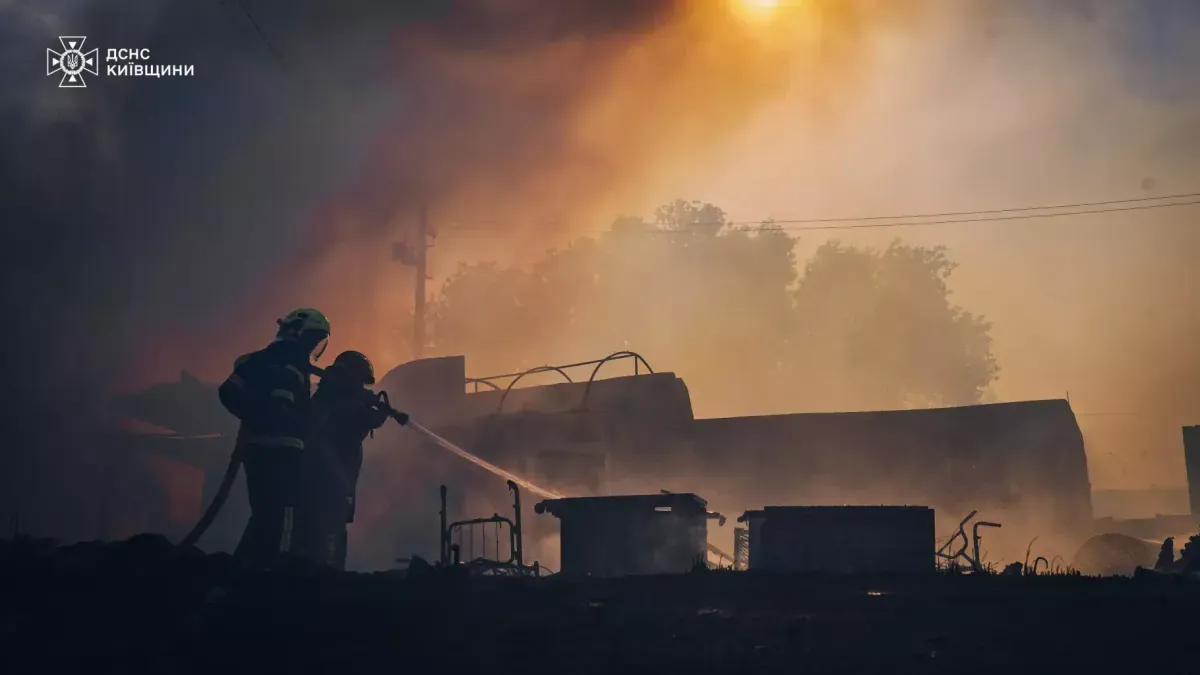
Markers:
point(144, 605)
point(1186, 565)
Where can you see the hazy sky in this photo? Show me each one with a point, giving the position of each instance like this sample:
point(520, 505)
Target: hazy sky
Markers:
point(1035, 107)
point(995, 107)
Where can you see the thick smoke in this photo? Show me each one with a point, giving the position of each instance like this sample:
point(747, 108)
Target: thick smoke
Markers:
point(158, 224)
point(997, 104)
point(162, 223)
point(974, 105)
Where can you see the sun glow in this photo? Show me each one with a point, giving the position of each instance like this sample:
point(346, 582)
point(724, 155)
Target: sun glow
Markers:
point(757, 8)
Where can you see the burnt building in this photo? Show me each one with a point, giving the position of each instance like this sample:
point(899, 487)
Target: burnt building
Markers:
point(841, 539)
point(630, 534)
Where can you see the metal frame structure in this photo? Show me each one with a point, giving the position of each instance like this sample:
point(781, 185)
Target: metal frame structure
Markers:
point(972, 559)
point(531, 371)
point(450, 552)
point(489, 381)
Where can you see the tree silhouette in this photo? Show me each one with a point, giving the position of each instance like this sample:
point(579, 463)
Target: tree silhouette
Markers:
point(726, 308)
point(877, 329)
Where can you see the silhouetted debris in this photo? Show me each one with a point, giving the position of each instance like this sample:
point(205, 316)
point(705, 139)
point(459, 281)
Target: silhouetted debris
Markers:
point(953, 556)
point(1012, 570)
point(1189, 559)
point(143, 605)
point(419, 568)
point(1188, 563)
point(1166, 555)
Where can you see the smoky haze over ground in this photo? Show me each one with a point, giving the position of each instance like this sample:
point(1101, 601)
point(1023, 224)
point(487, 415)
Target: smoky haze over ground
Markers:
point(156, 224)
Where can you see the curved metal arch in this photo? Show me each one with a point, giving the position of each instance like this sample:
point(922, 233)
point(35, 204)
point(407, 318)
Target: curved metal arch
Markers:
point(587, 390)
point(478, 381)
point(531, 371)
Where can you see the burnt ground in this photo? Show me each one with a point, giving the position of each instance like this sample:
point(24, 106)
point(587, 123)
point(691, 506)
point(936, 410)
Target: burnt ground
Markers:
point(144, 606)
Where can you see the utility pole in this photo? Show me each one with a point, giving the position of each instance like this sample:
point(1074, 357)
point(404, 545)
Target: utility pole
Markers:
point(416, 255)
point(422, 265)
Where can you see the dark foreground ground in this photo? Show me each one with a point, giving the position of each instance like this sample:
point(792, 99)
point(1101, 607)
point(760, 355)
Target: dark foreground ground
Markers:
point(143, 606)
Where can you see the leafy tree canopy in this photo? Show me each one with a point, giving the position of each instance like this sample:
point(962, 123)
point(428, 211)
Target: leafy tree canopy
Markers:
point(727, 309)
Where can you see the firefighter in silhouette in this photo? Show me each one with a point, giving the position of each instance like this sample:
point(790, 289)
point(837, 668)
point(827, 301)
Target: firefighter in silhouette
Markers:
point(344, 412)
point(269, 391)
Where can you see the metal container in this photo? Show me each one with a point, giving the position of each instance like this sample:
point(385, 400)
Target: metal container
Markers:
point(842, 539)
point(631, 534)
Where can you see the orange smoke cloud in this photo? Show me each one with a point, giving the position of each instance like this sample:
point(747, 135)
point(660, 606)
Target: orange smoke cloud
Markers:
point(526, 122)
point(527, 128)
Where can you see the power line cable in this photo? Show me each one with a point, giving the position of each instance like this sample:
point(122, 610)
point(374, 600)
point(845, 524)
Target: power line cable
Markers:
point(270, 47)
point(1026, 216)
point(870, 222)
point(947, 214)
point(243, 10)
point(1079, 205)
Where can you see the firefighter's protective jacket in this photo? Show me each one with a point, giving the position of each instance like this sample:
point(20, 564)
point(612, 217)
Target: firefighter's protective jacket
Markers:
point(269, 391)
point(343, 414)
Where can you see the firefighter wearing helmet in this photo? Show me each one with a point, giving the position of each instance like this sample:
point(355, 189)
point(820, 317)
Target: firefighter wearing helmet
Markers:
point(269, 391)
point(345, 412)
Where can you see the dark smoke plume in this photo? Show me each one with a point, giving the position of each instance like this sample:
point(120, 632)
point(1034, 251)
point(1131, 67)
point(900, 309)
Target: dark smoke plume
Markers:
point(153, 219)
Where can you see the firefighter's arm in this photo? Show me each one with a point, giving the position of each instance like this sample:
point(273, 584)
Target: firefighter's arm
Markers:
point(365, 413)
point(244, 393)
point(287, 384)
